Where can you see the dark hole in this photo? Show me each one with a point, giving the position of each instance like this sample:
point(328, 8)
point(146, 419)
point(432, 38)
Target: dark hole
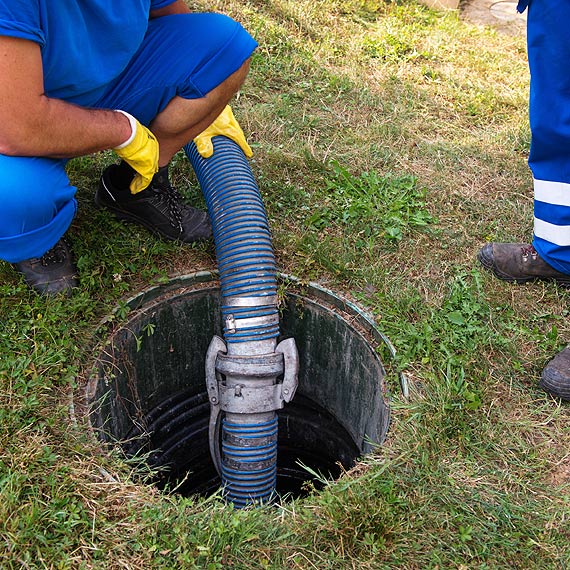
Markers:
point(174, 444)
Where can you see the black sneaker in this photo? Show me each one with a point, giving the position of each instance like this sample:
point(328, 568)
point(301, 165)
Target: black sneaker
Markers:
point(54, 272)
point(159, 208)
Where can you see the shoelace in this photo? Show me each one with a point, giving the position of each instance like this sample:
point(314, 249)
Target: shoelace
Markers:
point(55, 255)
point(174, 204)
point(528, 250)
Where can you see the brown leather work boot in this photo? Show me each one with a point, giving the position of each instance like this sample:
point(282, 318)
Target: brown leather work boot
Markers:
point(519, 262)
point(556, 375)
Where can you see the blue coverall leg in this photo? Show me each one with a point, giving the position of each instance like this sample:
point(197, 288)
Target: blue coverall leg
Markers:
point(37, 205)
point(549, 60)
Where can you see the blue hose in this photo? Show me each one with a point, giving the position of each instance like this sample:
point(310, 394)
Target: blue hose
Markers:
point(249, 311)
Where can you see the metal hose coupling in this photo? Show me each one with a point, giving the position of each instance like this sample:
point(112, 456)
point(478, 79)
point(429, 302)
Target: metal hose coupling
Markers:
point(248, 389)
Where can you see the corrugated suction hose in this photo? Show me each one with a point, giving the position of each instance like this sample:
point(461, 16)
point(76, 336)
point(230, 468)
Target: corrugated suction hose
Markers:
point(248, 376)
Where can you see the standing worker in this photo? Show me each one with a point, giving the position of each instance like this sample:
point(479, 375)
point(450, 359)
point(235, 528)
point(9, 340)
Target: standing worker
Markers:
point(141, 77)
point(548, 257)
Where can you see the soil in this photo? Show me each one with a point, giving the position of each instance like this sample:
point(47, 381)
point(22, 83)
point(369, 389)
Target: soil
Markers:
point(501, 14)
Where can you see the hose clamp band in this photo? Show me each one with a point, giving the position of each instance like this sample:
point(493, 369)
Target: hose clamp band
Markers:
point(250, 301)
point(233, 324)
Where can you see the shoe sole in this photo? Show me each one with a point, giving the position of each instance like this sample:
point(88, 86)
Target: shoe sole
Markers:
point(555, 387)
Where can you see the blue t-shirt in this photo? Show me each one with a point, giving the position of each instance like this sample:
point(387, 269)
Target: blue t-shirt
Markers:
point(85, 44)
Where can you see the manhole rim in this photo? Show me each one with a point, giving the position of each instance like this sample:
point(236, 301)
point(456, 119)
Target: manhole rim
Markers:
point(145, 300)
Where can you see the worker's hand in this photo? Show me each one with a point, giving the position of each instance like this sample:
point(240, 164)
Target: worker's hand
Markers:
point(140, 151)
point(226, 125)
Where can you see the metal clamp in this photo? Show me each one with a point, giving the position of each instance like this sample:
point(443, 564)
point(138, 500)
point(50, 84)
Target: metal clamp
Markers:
point(291, 368)
point(241, 399)
point(255, 367)
point(236, 397)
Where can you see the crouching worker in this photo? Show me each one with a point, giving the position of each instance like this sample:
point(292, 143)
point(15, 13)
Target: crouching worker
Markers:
point(141, 77)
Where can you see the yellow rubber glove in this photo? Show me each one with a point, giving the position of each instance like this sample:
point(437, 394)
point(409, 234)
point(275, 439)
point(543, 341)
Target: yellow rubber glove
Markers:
point(227, 125)
point(140, 151)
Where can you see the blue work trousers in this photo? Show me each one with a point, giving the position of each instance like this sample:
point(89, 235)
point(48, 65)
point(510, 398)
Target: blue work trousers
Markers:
point(549, 107)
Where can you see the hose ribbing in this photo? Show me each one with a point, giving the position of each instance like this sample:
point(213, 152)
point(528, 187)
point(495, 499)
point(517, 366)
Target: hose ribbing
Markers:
point(248, 286)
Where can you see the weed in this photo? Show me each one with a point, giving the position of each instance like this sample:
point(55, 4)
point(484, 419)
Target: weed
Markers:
point(383, 206)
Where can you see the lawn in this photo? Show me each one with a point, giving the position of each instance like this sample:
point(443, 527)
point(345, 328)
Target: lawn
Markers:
point(390, 143)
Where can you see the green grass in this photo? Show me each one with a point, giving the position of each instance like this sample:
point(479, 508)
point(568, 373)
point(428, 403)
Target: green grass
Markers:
point(390, 144)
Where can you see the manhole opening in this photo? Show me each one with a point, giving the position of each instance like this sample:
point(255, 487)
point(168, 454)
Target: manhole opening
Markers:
point(175, 446)
point(147, 388)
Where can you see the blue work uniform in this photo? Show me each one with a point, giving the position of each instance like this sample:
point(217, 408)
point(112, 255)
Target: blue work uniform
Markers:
point(549, 111)
point(104, 54)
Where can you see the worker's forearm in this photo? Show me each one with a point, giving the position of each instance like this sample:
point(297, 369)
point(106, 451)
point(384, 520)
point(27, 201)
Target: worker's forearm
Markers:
point(58, 129)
